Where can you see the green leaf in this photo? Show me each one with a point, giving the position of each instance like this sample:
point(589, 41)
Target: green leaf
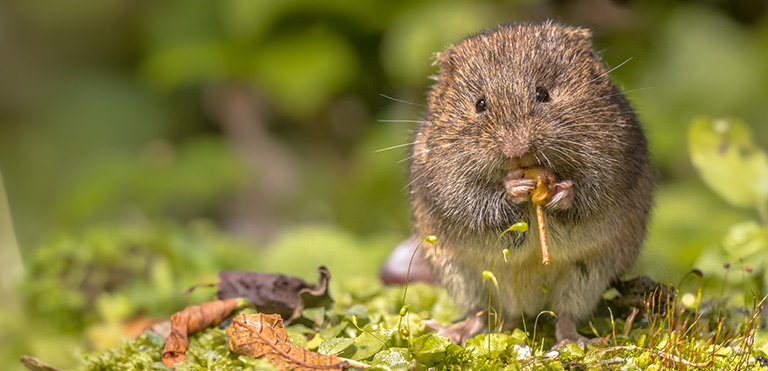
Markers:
point(334, 345)
point(316, 315)
point(370, 343)
point(518, 337)
point(571, 352)
point(430, 349)
point(728, 161)
point(746, 241)
point(333, 331)
point(479, 345)
point(395, 359)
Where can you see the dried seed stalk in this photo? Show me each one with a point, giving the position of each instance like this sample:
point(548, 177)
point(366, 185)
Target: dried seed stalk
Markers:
point(539, 197)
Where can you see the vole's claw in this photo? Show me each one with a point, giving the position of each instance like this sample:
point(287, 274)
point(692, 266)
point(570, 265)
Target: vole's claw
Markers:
point(562, 195)
point(519, 188)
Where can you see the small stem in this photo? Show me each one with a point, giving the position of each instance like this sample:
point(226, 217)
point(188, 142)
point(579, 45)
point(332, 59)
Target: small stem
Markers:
point(408, 272)
point(407, 279)
point(542, 235)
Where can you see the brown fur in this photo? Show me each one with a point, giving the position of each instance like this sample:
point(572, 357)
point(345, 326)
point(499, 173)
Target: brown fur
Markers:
point(586, 133)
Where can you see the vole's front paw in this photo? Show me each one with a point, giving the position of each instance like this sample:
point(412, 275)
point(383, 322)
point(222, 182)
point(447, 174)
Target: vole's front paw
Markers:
point(562, 196)
point(519, 188)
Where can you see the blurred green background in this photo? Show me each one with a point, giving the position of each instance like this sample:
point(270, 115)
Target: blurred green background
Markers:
point(259, 122)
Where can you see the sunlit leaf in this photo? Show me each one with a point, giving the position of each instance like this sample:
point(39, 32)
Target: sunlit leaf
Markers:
point(370, 343)
point(334, 345)
point(479, 345)
point(746, 239)
point(394, 358)
point(728, 161)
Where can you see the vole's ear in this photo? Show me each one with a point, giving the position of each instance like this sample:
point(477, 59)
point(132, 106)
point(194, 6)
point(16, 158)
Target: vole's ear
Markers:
point(444, 60)
point(583, 34)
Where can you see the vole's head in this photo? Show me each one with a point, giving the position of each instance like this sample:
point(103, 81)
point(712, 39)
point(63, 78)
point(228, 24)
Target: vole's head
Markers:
point(518, 96)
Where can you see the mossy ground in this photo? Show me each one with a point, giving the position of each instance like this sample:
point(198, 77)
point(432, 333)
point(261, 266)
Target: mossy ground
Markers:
point(697, 332)
point(676, 340)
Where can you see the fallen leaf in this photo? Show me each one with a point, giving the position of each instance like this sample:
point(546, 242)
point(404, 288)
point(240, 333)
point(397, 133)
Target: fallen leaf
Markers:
point(263, 335)
point(190, 320)
point(136, 326)
point(276, 293)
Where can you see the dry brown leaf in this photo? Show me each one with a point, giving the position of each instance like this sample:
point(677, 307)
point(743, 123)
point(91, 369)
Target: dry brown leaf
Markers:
point(263, 335)
point(276, 293)
point(190, 320)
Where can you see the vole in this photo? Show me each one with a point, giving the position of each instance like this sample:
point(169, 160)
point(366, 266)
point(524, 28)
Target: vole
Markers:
point(511, 99)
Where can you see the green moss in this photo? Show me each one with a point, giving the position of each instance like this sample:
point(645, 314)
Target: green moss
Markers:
point(650, 346)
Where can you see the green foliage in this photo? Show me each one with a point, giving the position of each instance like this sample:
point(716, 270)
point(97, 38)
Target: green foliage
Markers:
point(151, 182)
point(140, 354)
point(664, 341)
point(81, 287)
point(729, 162)
point(426, 28)
point(115, 273)
point(737, 170)
point(365, 323)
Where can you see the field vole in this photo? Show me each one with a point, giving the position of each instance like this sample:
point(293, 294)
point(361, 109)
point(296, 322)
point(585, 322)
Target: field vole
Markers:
point(517, 97)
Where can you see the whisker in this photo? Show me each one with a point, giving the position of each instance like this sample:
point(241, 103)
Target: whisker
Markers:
point(395, 147)
point(426, 150)
point(549, 163)
point(636, 89)
point(560, 140)
point(413, 180)
point(613, 69)
point(563, 152)
point(403, 101)
point(599, 124)
point(403, 121)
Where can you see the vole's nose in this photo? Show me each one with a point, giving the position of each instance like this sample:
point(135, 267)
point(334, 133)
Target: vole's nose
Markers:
point(515, 146)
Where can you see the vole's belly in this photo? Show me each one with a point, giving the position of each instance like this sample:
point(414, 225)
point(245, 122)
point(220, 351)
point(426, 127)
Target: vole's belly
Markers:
point(538, 287)
point(531, 286)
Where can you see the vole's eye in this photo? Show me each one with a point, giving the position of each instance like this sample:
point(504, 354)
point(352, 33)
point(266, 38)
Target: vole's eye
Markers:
point(480, 105)
point(542, 95)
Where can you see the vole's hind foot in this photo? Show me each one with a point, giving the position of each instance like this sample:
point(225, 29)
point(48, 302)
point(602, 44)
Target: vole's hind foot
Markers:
point(565, 330)
point(519, 188)
point(562, 196)
point(459, 332)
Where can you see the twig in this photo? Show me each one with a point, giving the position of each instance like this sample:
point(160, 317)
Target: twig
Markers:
point(542, 235)
point(355, 364)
